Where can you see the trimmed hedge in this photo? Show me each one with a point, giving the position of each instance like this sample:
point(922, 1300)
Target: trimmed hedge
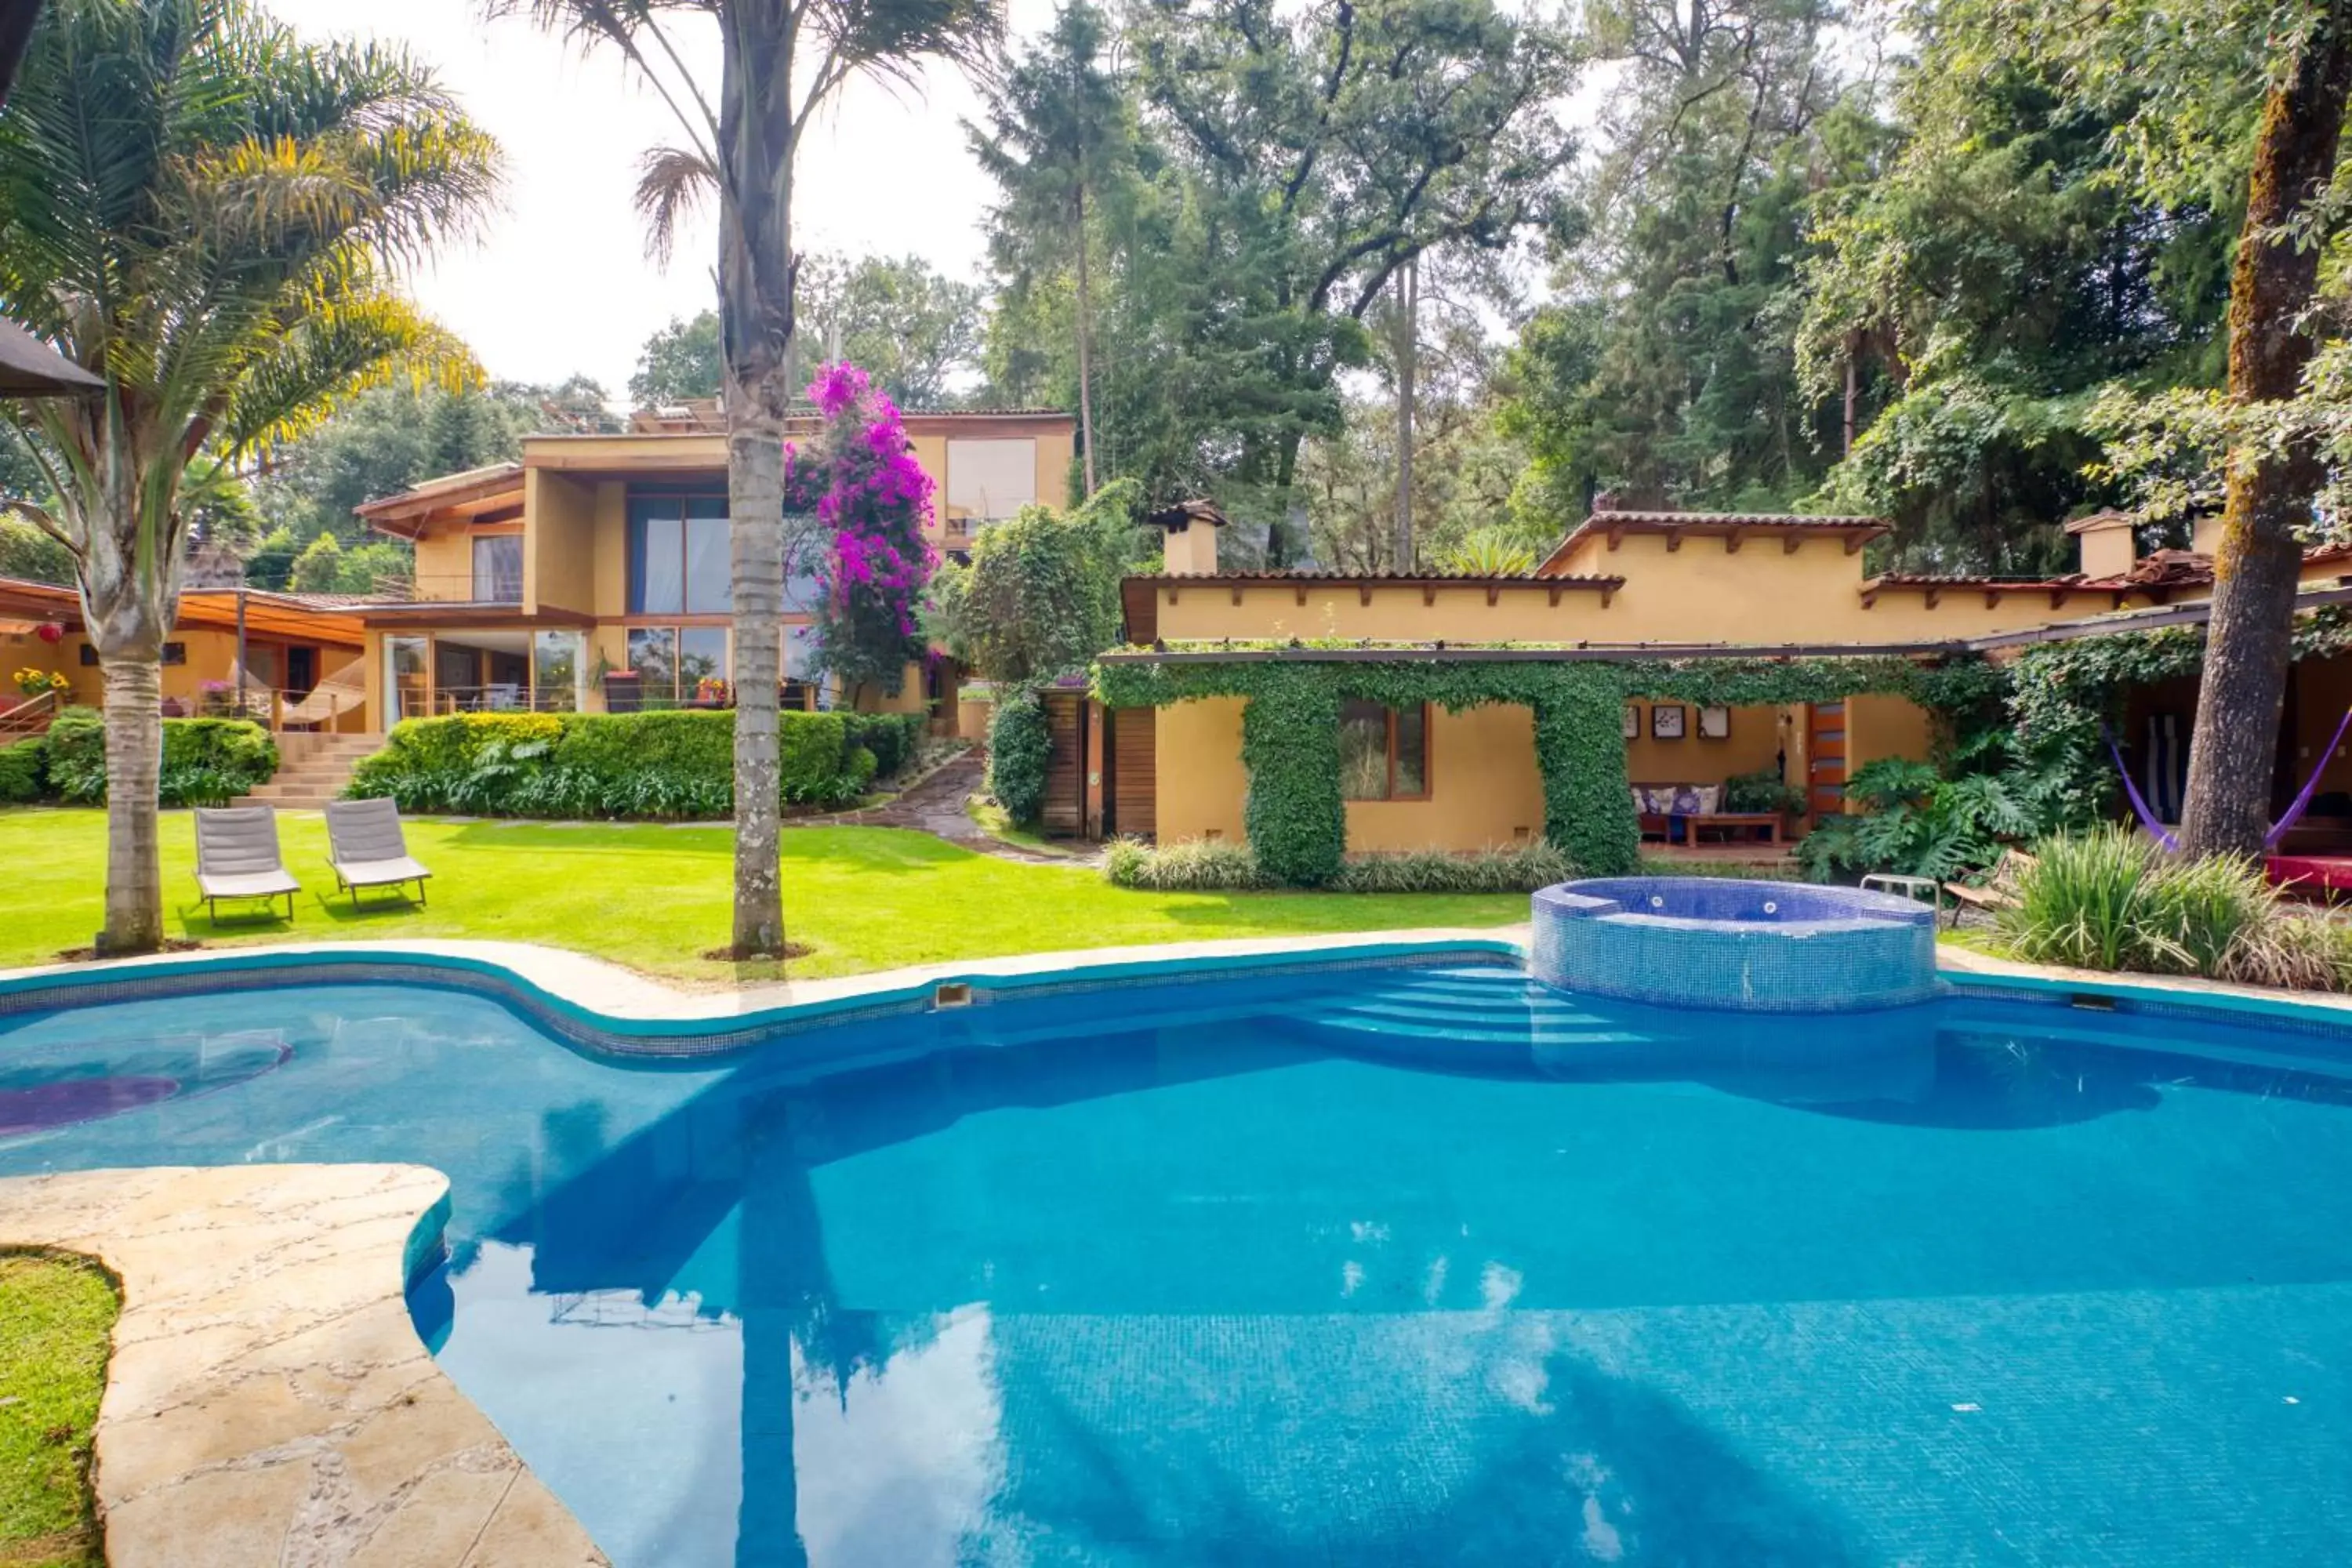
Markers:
point(663, 764)
point(1203, 866)
point(1020, 742)
point(24, 772)
point(205, 760)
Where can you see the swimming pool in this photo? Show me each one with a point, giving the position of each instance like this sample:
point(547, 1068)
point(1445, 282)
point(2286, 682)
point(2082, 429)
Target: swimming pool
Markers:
point(1393, 1265)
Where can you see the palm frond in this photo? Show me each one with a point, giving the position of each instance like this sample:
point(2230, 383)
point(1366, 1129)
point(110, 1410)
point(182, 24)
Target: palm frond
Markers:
point(672, 183)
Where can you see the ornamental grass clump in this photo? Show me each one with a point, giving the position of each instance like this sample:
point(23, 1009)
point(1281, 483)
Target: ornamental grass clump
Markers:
point(2112, 900)
point(1222, 865)
point(1187, 866)
point(2079, 903)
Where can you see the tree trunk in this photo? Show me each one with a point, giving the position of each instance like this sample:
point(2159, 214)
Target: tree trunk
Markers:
point(1408, 352)
point(756, 277)
point(2258, 564)
point(1086, 349)
point(134, 749)
point(755, 499)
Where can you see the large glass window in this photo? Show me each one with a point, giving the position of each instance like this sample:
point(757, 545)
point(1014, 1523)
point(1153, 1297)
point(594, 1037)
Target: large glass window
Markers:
point(1383, 752)
point(678, 555)
point(653, 655)
point(556, 672)
point(497, 569)
point(672, 662)
point(989, 480)
point(412, 689)
point(701, 656)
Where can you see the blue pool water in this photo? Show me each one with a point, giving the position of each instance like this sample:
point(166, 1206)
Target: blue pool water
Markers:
point(1379, 1267)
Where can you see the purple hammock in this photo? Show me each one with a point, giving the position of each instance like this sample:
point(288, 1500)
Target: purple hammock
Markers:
point(2295, 809)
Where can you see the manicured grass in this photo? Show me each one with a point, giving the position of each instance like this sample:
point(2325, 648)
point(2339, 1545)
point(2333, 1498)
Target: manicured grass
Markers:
point(997, 823)
point(56, 1313)
point(656, 898)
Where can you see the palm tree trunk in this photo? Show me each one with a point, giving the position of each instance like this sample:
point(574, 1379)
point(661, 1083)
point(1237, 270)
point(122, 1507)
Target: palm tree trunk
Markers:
point(755, 497)
point(134, 749)
point(1085, 347)
point(2257, 568)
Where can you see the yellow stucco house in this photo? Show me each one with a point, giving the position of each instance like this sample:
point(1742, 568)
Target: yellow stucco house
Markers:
point(296, 645)
point(593, 575)
point(1630, 585)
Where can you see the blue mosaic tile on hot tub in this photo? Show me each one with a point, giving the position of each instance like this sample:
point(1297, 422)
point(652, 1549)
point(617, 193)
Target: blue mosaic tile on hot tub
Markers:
point(1772, 947)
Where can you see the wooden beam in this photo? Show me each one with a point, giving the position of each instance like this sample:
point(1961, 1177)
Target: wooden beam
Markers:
point(1616, 537)
point(1237, 593)
point(1302, 596)
point(1731, 542)
point(1494, 591)
point(1993, 598)
point(1854, 541)
point(1428, 594)
point(1364, 592)
point(2057, 598)
point(1935, 597)
point(1172, 594)
point(1674, 539)
point(1606, 595)
point(1870, 601)
point(1555, 596)
point(1789, 542)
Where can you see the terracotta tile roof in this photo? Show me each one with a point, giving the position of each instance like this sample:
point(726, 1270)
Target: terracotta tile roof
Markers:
point(1411, 579)
point(1611, 523)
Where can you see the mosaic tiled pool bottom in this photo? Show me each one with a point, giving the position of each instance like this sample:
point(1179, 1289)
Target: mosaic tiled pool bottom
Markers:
point(1753, 947)
point(1399, 1267)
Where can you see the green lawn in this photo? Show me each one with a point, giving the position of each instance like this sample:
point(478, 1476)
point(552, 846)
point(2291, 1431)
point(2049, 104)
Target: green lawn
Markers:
point(655, 898)
point(56, 1314)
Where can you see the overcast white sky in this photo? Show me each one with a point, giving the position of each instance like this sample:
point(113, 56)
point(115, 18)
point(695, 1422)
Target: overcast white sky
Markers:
point(561, 284)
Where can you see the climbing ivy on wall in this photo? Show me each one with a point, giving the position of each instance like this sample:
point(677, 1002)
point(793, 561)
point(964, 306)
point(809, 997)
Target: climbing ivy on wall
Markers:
point(2062, 694)
point(1296, 817)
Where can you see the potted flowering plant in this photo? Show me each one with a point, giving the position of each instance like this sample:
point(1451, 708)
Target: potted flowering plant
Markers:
point(711, 692)
point(39, 682)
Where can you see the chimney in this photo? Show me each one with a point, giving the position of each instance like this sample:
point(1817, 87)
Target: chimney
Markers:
point(2107, 544)
point(2205, 534)
point(1191, 527)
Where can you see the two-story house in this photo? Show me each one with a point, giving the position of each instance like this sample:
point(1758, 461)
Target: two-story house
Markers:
point(593, 575)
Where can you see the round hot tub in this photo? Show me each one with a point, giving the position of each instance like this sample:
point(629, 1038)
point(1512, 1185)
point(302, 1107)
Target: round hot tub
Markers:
point(1709, 941)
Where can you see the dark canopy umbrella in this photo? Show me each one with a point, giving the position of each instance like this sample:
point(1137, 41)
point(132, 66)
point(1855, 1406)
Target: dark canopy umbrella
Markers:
point(29, 367)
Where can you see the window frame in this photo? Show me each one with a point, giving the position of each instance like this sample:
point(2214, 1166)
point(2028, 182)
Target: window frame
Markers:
point(647, 505)
point(1428, 758)
point(482, 581)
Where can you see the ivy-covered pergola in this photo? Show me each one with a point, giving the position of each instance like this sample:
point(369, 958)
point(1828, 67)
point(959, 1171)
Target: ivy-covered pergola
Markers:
point(1296, 817)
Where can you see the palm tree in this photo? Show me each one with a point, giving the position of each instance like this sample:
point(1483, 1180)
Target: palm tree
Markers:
point(209, 213)
point(741, 140)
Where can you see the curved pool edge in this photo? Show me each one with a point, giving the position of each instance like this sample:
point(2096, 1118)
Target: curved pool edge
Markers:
point(224, 1423)
point(603, 1007)
point(619, 1012)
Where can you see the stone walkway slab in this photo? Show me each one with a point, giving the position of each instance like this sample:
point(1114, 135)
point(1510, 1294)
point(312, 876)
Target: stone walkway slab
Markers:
point(268, 1401)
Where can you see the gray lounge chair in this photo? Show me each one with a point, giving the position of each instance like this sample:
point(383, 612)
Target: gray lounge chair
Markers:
point(367, 849)
point(237, 857)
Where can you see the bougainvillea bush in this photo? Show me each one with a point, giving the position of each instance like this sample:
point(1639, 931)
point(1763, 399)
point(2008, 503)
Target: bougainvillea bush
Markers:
point(877, 498)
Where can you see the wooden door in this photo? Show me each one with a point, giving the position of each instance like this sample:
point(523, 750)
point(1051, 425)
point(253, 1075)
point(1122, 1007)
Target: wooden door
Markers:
point(1134, 771)
point(1825, 757)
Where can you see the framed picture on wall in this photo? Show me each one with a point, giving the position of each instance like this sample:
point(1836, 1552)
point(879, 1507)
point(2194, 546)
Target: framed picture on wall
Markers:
point(1715, 723)
point(1666, 722)
point(1633, 720)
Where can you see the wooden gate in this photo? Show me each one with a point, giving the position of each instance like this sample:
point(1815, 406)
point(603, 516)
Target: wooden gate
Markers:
point(1133, 787)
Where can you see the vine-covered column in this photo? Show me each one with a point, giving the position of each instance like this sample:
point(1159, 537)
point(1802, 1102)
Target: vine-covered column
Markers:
point(1296, 820)
point(1581, 748)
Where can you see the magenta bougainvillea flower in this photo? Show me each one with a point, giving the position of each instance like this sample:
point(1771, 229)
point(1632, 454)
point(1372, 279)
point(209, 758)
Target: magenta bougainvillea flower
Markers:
point(873, 500)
